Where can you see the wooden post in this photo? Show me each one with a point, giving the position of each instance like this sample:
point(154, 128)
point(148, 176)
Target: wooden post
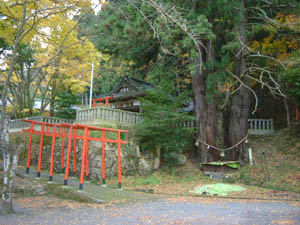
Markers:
point(103, 158)
point(74, 151)
point(52, 154)
point(63, 149)
point(41, 151)
point(68, 157)
point(84, 151)
point(29, 148)
point(265, 168)
point(87, 161)
point(119, 161)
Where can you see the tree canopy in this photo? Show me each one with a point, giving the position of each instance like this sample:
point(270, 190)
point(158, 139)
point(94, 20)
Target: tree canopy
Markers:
point(221, 49)
point(59, 55)
point(35, 39)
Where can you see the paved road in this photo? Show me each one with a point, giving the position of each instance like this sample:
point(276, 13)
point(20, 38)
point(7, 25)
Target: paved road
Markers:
point(163, 211)
point(145, 209)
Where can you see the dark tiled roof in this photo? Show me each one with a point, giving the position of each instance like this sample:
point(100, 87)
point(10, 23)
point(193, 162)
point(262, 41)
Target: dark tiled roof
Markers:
point(134, 88)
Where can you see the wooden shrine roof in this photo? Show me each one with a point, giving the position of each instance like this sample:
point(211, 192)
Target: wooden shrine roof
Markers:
point(129, 88)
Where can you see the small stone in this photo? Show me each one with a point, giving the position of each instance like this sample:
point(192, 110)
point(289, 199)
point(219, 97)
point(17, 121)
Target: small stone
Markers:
point(181, 159)
point(144, 167)
point(38, 190)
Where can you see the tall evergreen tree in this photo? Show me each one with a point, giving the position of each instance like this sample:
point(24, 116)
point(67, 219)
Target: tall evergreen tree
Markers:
point(206, 41)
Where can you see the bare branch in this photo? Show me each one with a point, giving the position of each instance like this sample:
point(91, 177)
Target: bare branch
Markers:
point(171, 15)
point(246, 86)
point(263, 16)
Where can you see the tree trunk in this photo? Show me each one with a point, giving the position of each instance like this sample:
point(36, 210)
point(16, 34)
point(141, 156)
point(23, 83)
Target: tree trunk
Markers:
point(205, 110)
point(212, 129)
point(4, 135)
point(239, 125)
point(11, 162)
point(157, 158)
point(52, 102)
point(10, 158)
point(55, 83)
point(286, 106)
point(240, 104)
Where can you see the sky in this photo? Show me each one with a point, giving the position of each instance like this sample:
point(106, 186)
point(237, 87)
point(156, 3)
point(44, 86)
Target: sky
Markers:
point(94, 3)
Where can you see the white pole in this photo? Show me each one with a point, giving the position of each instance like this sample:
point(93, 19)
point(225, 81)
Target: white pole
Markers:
point(250, 156)
point(91, 87)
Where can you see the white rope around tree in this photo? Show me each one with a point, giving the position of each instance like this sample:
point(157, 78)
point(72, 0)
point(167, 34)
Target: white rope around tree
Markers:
point(222, 149)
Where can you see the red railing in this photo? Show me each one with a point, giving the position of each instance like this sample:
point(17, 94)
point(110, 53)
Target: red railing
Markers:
point(102, 101)
point(69, 131)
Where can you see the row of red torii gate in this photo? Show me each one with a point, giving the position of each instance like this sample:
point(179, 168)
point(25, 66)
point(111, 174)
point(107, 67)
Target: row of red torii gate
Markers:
point(73, 132)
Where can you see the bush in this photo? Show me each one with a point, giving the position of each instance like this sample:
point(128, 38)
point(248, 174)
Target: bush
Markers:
point(161, 127)
point(64, 102)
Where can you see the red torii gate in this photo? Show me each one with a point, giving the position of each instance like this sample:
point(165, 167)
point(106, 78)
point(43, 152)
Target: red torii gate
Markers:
point(73, 135)
point(101, 101)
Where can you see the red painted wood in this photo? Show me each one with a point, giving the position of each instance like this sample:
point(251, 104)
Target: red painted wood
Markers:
point(74, 151)
point(63, 149)
point(52, 151)
point(84, 151)
point(41, 148)
point(103, 154)
point(68, 154)
point(119, 159)
point(58, 131)
point(87, 159)
point(30, 144)
point(101, 101)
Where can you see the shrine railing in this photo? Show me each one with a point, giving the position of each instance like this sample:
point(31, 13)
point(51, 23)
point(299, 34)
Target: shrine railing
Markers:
point(108, 114)
point(19, 123)
point(103, 114)
point(189, 123)
point(255, 126)
point(260, 126)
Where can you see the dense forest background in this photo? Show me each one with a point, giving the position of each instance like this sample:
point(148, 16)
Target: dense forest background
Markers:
point(231, 57)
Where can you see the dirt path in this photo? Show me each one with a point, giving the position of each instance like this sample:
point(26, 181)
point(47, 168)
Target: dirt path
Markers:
point(183, 210)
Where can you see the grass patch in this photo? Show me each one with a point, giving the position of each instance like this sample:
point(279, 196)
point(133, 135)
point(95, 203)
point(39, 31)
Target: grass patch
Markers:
point(166, 180)
point(280, 163)
point(154, 179)
point(65, 193)
point(289, 143)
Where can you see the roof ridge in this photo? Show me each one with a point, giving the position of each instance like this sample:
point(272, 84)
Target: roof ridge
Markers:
point(145, 82)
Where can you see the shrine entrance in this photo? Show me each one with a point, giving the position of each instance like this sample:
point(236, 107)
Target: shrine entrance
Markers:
point(74, 132)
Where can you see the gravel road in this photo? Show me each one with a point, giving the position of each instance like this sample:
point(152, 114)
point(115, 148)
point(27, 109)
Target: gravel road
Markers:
point(181, 210)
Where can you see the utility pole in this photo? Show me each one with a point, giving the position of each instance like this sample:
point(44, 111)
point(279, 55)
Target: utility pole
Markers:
point(91, 86)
